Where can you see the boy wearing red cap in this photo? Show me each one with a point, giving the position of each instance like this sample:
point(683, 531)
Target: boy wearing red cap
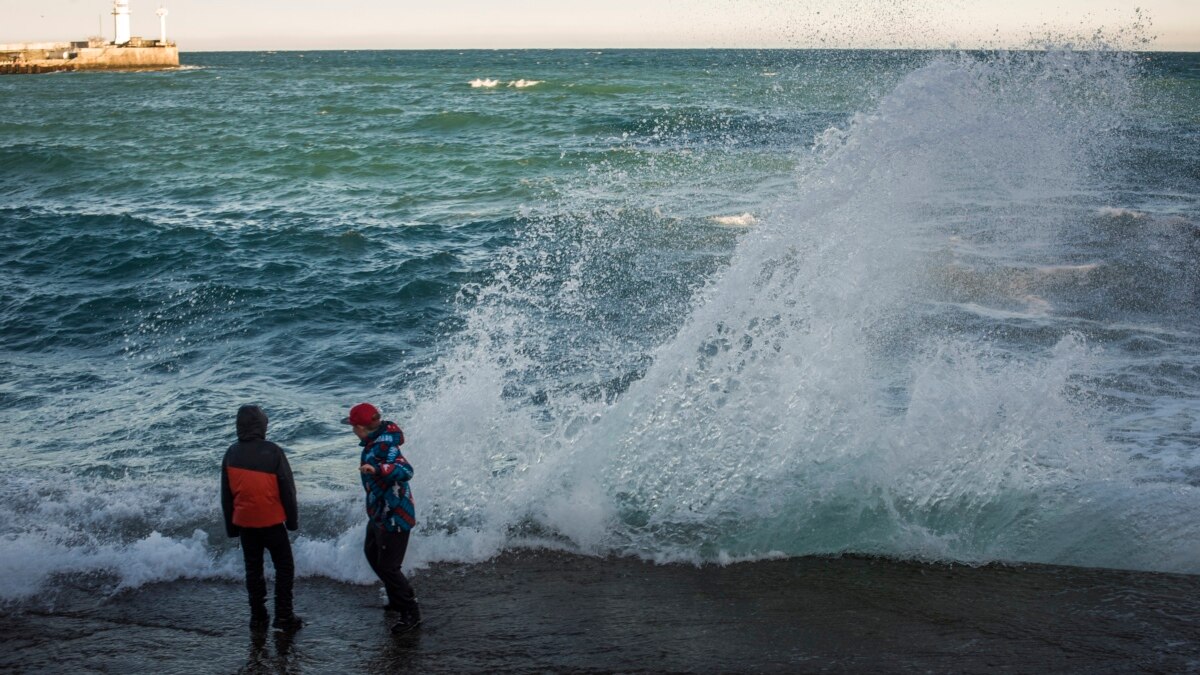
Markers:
point(385, 474)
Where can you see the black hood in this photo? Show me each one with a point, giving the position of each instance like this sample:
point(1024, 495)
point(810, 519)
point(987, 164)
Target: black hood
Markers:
point(251, 423)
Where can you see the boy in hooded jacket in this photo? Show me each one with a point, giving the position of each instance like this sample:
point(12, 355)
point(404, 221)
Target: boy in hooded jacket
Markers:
point(258, 498)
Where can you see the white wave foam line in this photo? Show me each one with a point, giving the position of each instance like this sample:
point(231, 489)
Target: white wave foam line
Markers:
point(524, 84)
point(1084, 268)
point(743, 220)
point(50, 527)
point(483, 83)
point(1119, 212)
point(28, 561)
point(123, 528)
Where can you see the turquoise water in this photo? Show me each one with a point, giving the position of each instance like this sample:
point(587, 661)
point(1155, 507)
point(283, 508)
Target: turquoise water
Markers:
point(685, 305)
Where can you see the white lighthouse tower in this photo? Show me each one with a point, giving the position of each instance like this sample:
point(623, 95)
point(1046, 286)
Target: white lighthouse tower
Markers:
point(162, 25)
point(121, 21)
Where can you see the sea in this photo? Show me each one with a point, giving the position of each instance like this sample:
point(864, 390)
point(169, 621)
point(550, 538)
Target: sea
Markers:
point(649, 312)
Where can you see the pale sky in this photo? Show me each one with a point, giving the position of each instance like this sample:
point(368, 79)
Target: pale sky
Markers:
point(206, 25)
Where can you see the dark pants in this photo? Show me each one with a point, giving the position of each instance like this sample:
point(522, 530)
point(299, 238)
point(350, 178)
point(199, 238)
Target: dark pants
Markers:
point(275, 540)
point(385, 553)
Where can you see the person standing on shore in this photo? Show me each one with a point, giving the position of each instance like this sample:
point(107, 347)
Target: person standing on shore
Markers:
point(258, 498)
point(391, 514)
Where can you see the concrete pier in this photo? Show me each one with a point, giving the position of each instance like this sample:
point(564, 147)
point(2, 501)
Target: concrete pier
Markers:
point(48, 57)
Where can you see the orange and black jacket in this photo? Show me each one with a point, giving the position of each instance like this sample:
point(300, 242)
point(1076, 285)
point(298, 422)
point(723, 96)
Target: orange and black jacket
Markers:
point(257, 489)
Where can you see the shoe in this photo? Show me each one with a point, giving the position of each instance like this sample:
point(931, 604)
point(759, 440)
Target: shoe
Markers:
point(289, 623)
point(410, 618)
point(404, 625)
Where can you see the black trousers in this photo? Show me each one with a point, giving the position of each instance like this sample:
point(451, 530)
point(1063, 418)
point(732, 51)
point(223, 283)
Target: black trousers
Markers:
point(385, 553)
point(273, 539)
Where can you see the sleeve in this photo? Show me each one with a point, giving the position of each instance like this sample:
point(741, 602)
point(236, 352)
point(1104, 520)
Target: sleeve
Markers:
point(394, 468)
point(287, 492)
point(227, 500)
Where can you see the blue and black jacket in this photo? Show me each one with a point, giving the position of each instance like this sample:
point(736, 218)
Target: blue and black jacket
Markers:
point(389, 498)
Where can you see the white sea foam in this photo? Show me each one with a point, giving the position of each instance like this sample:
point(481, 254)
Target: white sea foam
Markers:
point(1068, 270)
point(138, 534)
point(489, 83)
point(28, 561)
point(1119, 212)
point(743, 220)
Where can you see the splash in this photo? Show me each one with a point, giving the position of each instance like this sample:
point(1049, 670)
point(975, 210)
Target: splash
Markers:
point(827, 391)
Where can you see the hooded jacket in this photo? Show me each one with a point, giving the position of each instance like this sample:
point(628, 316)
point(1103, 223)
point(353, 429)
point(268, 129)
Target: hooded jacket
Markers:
point(389, 498)
point(257, 489)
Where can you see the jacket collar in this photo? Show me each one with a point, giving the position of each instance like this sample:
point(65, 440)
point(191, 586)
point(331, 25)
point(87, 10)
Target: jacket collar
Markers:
point(383, 427)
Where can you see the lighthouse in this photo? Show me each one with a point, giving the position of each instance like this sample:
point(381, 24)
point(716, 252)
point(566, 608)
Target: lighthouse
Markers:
point(162, 24)
point(121, 21)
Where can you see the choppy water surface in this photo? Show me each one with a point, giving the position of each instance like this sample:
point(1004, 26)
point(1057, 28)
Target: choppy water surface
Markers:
point(685, 305)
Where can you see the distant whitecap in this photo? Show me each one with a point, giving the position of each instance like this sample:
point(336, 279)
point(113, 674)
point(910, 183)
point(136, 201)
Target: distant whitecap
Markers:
point(1118, 212)
point(743, 220)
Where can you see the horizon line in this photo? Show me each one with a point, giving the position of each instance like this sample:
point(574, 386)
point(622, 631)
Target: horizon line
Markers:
point(630, 49)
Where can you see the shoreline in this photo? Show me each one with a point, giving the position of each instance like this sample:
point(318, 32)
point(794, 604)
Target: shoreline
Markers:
point(547, 611)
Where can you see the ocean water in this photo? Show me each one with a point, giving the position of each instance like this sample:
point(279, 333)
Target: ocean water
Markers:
point(684, 306)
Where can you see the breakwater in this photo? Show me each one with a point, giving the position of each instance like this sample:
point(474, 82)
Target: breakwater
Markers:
point(58, 56)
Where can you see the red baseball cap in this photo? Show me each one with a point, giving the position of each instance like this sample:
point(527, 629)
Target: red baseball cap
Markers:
point(362, 415)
